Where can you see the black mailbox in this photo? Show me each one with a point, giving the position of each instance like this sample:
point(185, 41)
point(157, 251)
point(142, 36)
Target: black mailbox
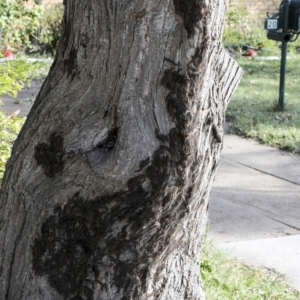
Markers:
point(294, 15)
point(275, 24)
point(278, 36)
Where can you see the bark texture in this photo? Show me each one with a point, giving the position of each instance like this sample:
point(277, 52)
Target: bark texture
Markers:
point(106, 193)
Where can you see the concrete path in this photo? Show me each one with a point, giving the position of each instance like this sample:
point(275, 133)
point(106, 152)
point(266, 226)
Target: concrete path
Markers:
point(255, 206)
point(23, 101)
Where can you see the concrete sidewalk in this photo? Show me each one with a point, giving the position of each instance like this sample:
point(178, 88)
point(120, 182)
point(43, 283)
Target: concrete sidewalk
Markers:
point(23, 102)
point(255, 206)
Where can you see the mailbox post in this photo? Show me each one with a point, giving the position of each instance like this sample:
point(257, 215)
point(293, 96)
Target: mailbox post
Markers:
point(284, 53)
point(282, 27)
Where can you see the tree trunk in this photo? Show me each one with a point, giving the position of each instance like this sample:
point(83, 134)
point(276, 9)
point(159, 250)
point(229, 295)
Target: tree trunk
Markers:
point(106, 192)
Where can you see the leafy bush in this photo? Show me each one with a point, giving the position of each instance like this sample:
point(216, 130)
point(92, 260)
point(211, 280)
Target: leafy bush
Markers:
point(29, 29)
point(9, 129)
point(241, 28)
point(13, 76)
point(48, 33)
point(18, 23)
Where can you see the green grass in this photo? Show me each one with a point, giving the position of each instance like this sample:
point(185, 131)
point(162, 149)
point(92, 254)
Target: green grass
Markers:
point(253, 111)
point(227, 278)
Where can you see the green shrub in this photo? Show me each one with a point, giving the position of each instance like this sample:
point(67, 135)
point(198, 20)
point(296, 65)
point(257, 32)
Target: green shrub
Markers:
point(30, 29)
point(241, 28)
point(13, 76)
point(18, 23)
point(9, 130)
point(48, 34)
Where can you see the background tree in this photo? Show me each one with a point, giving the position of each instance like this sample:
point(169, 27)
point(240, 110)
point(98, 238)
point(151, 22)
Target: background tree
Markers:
point(106, 192)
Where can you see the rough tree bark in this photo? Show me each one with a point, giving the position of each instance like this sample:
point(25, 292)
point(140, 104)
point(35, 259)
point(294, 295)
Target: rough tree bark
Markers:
point(106, 193)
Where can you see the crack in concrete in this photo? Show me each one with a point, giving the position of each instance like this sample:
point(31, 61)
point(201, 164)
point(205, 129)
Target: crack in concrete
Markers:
point(259, 209)
point(261, 171)
point(296, 228)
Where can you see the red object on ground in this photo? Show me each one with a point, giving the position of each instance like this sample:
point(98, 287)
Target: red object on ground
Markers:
point(251, 53)
point(8, 54)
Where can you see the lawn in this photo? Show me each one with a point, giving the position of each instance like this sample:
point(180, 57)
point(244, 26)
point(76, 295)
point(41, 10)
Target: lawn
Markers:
point(253, 111)
point(228, 278)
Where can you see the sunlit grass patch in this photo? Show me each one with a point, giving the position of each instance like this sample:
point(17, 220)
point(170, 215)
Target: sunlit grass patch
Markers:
point(253, 111)
point(227, 278)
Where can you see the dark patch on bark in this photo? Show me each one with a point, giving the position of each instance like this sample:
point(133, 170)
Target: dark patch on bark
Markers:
point(190, 11)
point(50, 156)
point(217, 134)
point(78, 248)
point(84, 40)
point(162, 137)
point(173, 80)
point(71, 62)
point(105, 114)
point(144, 163)
point(110, 240)
point(139, 16)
